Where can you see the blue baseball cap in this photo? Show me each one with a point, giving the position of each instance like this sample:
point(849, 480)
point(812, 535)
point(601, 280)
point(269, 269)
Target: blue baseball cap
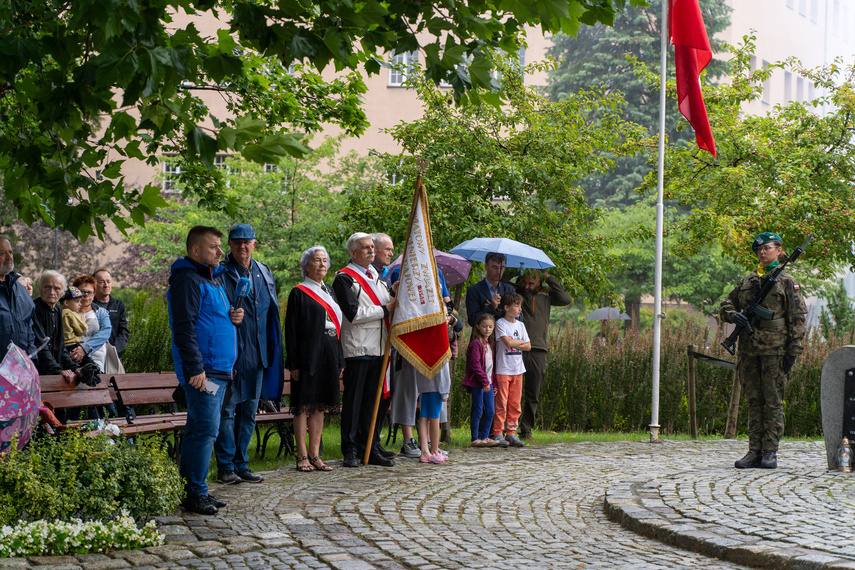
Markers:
point(241, 231)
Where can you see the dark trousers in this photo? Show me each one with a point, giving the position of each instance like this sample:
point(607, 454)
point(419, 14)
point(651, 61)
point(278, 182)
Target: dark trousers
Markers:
point(535, 372)
point(360, 389)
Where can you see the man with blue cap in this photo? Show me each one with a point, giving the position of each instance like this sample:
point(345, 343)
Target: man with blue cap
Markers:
point(259, 370)
point(766, 357)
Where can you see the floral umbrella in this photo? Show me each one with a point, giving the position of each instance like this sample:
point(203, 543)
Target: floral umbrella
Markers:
point(20, 395)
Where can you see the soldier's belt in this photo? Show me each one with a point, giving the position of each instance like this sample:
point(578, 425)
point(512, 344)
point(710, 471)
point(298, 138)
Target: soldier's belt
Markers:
point(772, 324)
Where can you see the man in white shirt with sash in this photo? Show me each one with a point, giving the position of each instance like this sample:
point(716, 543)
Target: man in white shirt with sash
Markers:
point(367, 306)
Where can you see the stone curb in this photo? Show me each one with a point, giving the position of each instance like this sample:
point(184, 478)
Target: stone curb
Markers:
point(634, 511)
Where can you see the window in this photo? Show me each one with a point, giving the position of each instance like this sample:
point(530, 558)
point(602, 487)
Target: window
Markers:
point(791, 4)
point(800, 89)
point(171, 170)
point(767, 87)
point(788, 86)
point(814, 10)
point(802, 7)
point(403, 64)
point(811, 91)
point(268, 168)
point(220, 161)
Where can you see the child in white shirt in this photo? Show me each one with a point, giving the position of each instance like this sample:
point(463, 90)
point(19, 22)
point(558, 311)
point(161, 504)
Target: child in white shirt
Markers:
point(511, 340)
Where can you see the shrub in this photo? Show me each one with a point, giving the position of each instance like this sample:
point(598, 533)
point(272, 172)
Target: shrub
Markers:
point(150, 343)
point(589, 387)
point(90, 478)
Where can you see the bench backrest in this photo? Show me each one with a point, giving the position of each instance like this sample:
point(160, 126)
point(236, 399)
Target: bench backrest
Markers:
point(60, 394)
point(145, 388)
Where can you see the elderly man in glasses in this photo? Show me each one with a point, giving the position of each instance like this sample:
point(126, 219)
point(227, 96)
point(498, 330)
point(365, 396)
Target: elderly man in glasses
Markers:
point(766, 357)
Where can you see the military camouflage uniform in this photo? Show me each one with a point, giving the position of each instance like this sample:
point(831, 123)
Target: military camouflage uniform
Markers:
point(759, 361)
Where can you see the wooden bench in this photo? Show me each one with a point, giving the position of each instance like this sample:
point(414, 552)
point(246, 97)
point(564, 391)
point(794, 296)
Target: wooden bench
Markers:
point(278, 419)
point(281, 422)
point(63, 395)
point(150, 389)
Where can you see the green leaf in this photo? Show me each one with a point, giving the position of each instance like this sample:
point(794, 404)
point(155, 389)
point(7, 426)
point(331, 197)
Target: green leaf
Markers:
point(373, 13)
point(114, 169)
point(203, 145)
point(480, 70)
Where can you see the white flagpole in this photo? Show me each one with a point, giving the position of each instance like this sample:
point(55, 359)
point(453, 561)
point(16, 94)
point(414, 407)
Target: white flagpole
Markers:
point(660, 214)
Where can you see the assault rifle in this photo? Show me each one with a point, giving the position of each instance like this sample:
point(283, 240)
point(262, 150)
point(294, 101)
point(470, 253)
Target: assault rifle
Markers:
point(754, 309)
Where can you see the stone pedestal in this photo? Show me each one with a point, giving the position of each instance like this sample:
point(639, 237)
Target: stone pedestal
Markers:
point(837, 371)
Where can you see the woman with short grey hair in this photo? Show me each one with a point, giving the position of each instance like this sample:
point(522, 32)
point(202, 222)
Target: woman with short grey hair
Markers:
point(314, 356)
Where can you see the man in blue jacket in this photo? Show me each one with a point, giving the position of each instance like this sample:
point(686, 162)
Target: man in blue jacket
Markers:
point(204, 348)
point(16, 305)
point(259, 359)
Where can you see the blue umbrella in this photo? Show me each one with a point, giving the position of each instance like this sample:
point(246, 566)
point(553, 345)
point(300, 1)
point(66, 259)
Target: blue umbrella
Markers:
point(518, 254)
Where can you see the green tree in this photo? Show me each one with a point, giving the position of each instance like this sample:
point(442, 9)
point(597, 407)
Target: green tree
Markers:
point(838, 316)
point(511, 171)
point(597, 56)
point(88, 84)
point(700, 279)
point(791, 170)
point(291, 208)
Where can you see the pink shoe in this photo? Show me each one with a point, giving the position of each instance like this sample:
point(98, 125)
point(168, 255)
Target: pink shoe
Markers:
point(425, 459)
point(438, 458)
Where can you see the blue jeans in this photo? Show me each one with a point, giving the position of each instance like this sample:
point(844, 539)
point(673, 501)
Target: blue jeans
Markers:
point(483, 409)
point(238, 422)
point(203, 424)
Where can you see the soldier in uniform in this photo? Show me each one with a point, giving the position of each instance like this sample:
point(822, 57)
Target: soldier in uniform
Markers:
point(766, 357)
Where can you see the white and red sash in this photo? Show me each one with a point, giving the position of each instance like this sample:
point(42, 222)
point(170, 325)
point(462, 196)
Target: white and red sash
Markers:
point(367, 287)
point(372, 294)
point(330, 312)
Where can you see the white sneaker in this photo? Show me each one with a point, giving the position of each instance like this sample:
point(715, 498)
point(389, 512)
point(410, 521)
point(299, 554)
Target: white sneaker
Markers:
point(411, 449)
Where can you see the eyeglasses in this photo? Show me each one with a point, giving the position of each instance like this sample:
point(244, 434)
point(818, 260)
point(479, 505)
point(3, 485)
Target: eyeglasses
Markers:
point(87, 293)
point(768, 248)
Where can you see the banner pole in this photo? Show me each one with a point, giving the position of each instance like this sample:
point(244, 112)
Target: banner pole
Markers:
point(377, 399)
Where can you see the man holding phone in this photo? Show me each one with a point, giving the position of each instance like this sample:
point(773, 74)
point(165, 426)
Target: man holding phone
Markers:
point(204, 348)
point(259, 358)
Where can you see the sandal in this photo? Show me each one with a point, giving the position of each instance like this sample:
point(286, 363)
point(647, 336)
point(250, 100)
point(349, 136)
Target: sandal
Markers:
point(307, 468)
point(322, 467)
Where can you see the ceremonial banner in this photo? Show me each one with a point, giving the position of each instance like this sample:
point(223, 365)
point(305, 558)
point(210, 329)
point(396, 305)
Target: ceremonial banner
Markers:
point(692, 53)
point(419, 326)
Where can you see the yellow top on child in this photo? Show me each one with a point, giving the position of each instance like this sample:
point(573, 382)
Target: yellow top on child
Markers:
point(73, 325)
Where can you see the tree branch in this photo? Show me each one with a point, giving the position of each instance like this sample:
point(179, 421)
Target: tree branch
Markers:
point(8, 31)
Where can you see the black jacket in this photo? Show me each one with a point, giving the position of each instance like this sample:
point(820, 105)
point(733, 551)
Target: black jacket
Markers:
point(305, 321)
point(119, 320)
point(47, 322)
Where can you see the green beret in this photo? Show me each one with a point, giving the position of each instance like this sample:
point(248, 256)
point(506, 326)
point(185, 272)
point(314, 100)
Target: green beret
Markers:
point(763, 238)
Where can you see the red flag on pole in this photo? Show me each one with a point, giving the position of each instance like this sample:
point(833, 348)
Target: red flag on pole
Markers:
point(692, 53)
point(419, 326)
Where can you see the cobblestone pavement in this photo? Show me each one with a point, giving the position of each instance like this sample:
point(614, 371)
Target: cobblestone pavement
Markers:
point(537, 507)
point(789, 517)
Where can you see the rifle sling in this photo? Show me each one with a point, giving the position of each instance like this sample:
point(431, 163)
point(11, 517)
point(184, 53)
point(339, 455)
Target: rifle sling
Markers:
point(772, 324)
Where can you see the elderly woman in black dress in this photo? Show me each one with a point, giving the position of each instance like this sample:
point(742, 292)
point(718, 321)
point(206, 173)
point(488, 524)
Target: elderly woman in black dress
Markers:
point(312, 330)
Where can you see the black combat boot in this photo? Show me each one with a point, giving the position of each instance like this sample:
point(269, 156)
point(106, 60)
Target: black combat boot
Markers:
point(770, 460)
point(750, 461)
